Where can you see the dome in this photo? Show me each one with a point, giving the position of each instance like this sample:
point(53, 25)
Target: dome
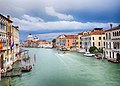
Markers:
point(30, 37)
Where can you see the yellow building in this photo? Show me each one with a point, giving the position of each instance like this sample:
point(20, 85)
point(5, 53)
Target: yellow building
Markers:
point(15, 40)
point(79, 40)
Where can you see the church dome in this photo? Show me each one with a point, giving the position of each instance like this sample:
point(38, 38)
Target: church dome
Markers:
point(30, 37)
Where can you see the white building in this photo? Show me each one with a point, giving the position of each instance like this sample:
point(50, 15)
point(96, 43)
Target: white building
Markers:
point(112, 48)
point(95, 38)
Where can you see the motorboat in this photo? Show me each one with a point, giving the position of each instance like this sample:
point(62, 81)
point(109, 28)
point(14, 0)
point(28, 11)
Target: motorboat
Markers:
point(88, 54)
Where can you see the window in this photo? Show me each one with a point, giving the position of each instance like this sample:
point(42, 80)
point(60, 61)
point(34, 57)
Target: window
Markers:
point(103, 38)
point(68, 44)
point(110, 54)
point(99, 38)
point(80, 37)
point(104, 43)
point(106, 36)
point(117, 33)
point(68, 40)
point(80, 42)
point(110, 44)
point(93, 38)
point(113, 34)
point(109, 36)
point(93, 44)
point(99, 43)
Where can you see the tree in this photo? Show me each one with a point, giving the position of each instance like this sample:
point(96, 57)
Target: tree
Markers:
point(54, 40)
point(93, 49)
point(71, 47)
point(100, 50)
point(54, 43)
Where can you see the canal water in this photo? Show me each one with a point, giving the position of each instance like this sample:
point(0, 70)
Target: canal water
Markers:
point(53, 68)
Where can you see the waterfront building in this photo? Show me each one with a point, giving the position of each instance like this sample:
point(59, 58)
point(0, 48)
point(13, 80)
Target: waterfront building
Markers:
point(16, 43)
point(44, 44)
point(9, 43)
point(112, 48)
point(66, 42)
point(61, 42)
point(29, 41)
point(95, 38)
point(33, 41)
point(79, 39)
point(5, 41)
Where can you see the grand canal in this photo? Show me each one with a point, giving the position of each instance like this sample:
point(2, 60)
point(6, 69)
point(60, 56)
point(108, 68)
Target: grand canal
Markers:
point(70, 69)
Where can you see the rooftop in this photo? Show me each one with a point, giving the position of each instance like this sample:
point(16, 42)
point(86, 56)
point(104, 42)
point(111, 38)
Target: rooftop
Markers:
point(114, 28)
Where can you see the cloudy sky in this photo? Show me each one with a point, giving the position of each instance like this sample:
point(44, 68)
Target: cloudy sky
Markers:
point(49, 18)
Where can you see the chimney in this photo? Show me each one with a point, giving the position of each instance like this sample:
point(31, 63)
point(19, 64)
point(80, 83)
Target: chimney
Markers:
point(111, 25)
point(8, 17)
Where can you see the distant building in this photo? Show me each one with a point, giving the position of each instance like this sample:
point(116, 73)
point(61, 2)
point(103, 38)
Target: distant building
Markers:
point(33, 41)
point(66, 42)
point(95, 38)
point(112, 48)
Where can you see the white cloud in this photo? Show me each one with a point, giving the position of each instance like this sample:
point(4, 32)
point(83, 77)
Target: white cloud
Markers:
point(51, 11)
point(32, 19)
point(50, 36)
point(34, 24)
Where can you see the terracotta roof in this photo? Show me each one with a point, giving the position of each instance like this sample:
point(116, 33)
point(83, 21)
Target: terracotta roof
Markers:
point(97, 32)
point(71, 36)
point(28, 41)
point(114, 28)
point(94, 32)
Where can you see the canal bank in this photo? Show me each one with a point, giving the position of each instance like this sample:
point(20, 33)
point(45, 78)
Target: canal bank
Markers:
point(70, 69)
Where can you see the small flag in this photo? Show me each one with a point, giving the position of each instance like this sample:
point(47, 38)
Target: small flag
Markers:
point(12, 45)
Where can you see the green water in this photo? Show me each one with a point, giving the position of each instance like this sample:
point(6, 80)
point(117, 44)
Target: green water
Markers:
point(70, 69)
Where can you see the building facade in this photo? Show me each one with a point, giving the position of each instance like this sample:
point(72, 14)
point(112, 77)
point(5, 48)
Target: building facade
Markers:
point(15, 39)
point(7, 38)
point(112, 48)
point(5, 41)
point(66, 42)
point(95, 38)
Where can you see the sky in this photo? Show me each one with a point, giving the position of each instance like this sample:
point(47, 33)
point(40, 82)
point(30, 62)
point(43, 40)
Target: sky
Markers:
point(50, 18)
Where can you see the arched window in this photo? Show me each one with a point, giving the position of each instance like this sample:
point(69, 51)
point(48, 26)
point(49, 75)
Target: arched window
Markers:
point(117, 33)
point(109, 36)
point(106, 36)
point(113, 34)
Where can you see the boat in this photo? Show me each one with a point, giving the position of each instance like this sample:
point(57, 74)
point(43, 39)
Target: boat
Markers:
point(98, 56)
point(81, 50)
point(26, 68)
point(88, 54)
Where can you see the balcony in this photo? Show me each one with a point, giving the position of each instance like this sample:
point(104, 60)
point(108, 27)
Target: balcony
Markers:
point(115, 37)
